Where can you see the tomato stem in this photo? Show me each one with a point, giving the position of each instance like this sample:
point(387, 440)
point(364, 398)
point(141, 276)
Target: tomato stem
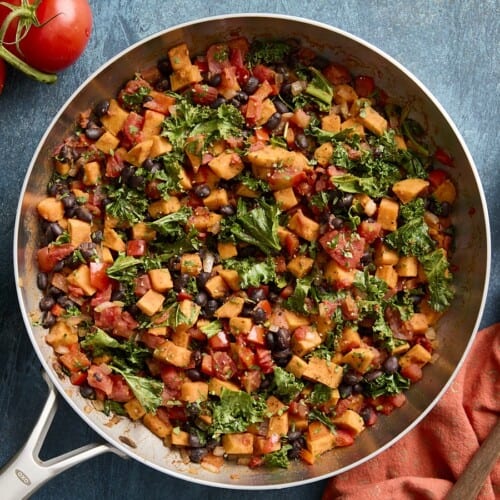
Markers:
point(20, 65)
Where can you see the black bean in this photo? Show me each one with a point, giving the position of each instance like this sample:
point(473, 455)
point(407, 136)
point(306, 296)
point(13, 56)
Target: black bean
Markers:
point(42, 280)
point(214, 80)
point(164, 66)
point(93, 133)
point(351, 378)
point(65, 301)
point(48, 319)
point(127, 172)
point(87, 392)
point(297, 446)
point(366, 414)
point(46, 303)
point(97, 236)
point(247, 310)
point(227, 210)
point(357, 388)
point(196, 454)
point(88, 250)
point(211, 307)
point(372, 375)
point(286, 90)
point(136, 181)
point(163, 85)
point(335, 222)
point(152, 165)
point(202, 279)
point(118, 295)
point(194, 374)
point(83, 214)
point(282, 357)
point(367, 258)
point(242, 97)
point(192, 409)
point(251, 85)
point(257, 294)
point(59, 266)
point(181, 282)
point(202, 190)
point(293, 435)
point(345, 201)
point(282, 339)
point(259, 315)
point(101, 108)
point(273, 121)
point(56, 229)
point(280, 106)
point(345, 390)
point(54, 291)
point(194, 441)
point(218, 102)
point(201, 298)
point(270, 340)
point(69, 201)
point(301, 141)
point(391, 364)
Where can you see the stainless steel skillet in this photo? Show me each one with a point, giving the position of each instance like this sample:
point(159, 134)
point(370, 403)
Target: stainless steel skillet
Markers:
point(456, 330)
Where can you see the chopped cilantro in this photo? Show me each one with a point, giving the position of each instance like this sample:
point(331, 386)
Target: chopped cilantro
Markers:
point(286, 385)
point(268, 52)
point(321, 393)
point(126, 204)
point(278, 458)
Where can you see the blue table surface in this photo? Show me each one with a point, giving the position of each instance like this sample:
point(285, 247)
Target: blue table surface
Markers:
point(451, 46)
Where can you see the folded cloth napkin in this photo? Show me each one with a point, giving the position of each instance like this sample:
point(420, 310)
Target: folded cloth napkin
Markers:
point(426, 462)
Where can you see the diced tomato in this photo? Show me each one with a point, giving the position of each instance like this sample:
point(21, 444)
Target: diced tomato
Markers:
point(261, 135)
point(264, 73)
point(370, 230)
point(57, 310)
point(257, 335)
point(223, 364)
point(136, 248)
point(75, 360)
point(152, 341)
point(229, 85)
point(364, 85)
point(50, 255)
point(256, 462)
point(78, 378)
point(114, 166)
point(98, 277)
point(173, 378)
point(287, 291)
point(203, 94)
point(443, 157)
point(177, 413)
point(436, 177)
point(160, 103)
point(300, 118)
point(101, 296)
point(343, 438)
point(98, 377)
point(201, 62)
point(120, 391)
point(412, 371)
point(183, 295)
point(337, 74)
point(113, 318)
point(246, 356)
point(132, 127)
point(291, 244)
point(238, 50)
point(344, 246)
point(397, 400)
point(298, 409)
point(141, 285)
point(219, 341)
point(264, 360)
point(207, 365)
point(217, 57)
point(286, 177)
point(250, 380)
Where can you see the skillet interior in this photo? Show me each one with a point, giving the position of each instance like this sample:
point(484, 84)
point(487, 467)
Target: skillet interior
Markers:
point(471, 257)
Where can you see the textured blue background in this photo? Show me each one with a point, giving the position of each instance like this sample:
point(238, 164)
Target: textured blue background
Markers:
point(451, 46)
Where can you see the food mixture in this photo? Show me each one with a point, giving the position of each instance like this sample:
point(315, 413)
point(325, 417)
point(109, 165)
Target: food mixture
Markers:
point(246, 251)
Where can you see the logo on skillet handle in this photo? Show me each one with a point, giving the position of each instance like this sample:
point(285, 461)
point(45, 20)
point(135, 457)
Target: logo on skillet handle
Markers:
point(23, 477)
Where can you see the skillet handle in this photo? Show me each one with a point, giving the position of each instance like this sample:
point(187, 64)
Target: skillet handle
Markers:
point(25, 472)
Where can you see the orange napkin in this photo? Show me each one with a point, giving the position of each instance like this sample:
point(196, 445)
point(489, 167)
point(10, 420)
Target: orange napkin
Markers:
point(427, 461)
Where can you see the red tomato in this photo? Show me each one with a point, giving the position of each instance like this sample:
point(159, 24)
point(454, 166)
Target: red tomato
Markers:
point(370, 230)
point(286, 177)
point(443, 157)
point(173, 378)
point(78, 378)
point(3, 71)
point(50, 255)
point(250, 380)
point(203, 94)
point(437, 177)
point(343, 438)
point(364, 85)
point(120, 391)
point(75, 360)
point(344, 246)
point(337, 74)
point(65, 30)
point(257, 335)
point(246, 356)
point(142, 285)
point(262, 73)
point(412, 371)
point(136, 248)
point(98, 377)
point(98, 277)
point(220, 341)
point(132, 128)
point(224, 366)
point(265, 360)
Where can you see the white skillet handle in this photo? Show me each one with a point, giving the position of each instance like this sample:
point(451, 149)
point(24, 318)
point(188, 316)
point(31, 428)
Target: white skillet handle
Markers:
point(25, 472)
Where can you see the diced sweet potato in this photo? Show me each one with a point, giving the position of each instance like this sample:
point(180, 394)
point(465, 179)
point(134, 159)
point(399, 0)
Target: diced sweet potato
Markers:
point(141, 231)
point(79, 232)
point(138, 154)
point(285, 198)
point(319, 439)
point(416, 355)
point(61, 335)
point(230, 308)
point(323, 371)
point(152, 123)
point(388, 274)
point(217, 287)
point(323, 154)
point(216, 199)
point(350, 339)
point(134, 409)
point(115, 118)
point(351, 421)
point(269, 157)
point(385, 256)
point(240, 443)
point(445, 192)
point(107, 143)
point(231, 277)
point(162, 207)
point(168, 352)
point(226, 250)
point(240, 325)
point(156, 425)
point(191, 392)
point(226, 165)
point(303, 226)
point(159, 147)
point(51, 209)
point(300, 266)
point(161, 280)
point(359, 359)
point(91, 173)
point(191, 264)
point(407, 266)
point(372, 120)
point(80, 278)
point(151, 302)
point(216, 385)
point(331, 123)
point(388, 212)
point(179, 438)
point(294, 320)
point(417, 324)
point(408, 189)
point(113, 240)
point(296, 365)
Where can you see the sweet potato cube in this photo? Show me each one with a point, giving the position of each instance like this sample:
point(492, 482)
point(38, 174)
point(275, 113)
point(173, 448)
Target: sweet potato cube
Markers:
point(324, 371)
point(416, 355)
point(285, 198)
point(115, 118)
point(216, 199)
point(179, 438)
point(360, 359)
point(304, 342)
point(217, 287)
point(353, 127)
point(331, 123)
point(191, 392)
point(304, 226)
point(275, 406)
point(267, 110)
point(300, 266)
point(51, 209)
point(417, 323)
point(139, 152)
point(107, 143)
point(296, 365)
point(319, 439)
point(159, 147)
point(168, 352)
point(264, 445)
point(226, 165)
point(161, 280)
point(80, 278)
point(112, 240)
point(190, 312)
point(408, 189)
point(231, 308)
point(226, 250)
point(141, 231)
point(323, 154)
point(366, 203)
point(278, 425)
point(91, 173)
point(388, 274)
point(372, 120)
point(295, 320)
point(60, 336)
point(407, 266)
point(156, 425)
point(240, 443)
point(266, 159)
point(191, 264)
point(79, 232)
point(151, 302)
point(350, 339)
point(216, 385)
point(239, 324)
point(344, 93)
point(152, 123)
point(160, 208)
point(337, 275)
point(231, 277)
point(351, 421)
point(445, 192)
point(388, 212)
point(134, 409)
point(385, 256)
point(181, 336)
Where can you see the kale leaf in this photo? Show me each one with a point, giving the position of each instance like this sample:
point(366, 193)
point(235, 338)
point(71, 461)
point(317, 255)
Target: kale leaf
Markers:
point(268, 52)
point(126, 204)
point(278, 458)
point(285, 385)
point(253, 272)
point(386, 384)
point(436, 268)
